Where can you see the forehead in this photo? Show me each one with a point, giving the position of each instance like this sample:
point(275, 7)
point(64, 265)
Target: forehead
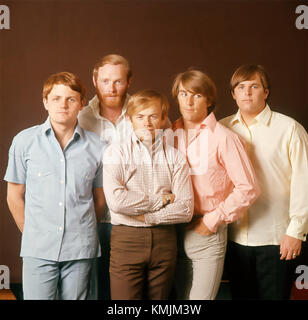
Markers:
point(189, 89)
point(112, 71)
point(255, 78)
point(151, 107)
point(63, 90)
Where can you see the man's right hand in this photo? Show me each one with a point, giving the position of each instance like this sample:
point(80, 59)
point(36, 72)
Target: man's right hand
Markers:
point(168, 198)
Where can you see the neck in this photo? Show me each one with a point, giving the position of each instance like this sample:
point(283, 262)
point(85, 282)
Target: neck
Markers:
point(111, 113)
point(249, 117)
point(63, 133)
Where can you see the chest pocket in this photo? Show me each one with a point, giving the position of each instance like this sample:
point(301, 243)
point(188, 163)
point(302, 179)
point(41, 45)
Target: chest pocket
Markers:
point(39, 170)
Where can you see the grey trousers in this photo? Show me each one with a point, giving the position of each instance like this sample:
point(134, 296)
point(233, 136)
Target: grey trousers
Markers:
point(49, 280)
point(200, 264)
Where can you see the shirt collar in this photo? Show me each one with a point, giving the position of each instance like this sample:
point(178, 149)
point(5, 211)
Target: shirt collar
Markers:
point(47, 128)
point(94, 105)
point(157, 143)
point(263, 117)
point(210, 122)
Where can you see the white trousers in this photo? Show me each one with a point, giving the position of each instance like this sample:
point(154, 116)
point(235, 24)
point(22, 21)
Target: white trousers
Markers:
point(200, 264)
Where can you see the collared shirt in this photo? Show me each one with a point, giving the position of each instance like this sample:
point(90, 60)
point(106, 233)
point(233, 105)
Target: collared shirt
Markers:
point(90, 119)
point(278, 149)
point(60, 220)
point(223, 179)
point(135, 179)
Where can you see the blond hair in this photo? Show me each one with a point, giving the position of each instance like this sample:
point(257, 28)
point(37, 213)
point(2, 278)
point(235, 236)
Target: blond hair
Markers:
point(143, 99)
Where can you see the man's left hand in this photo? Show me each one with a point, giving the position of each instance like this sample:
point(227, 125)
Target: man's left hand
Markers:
point(290, 247)
point(199, 227)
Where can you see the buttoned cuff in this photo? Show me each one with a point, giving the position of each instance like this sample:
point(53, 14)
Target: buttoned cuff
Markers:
point(296, 229)
point(213, 219)
point(149, 218)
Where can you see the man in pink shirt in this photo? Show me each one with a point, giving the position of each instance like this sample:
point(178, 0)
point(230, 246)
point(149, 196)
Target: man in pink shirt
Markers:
point(223, 181)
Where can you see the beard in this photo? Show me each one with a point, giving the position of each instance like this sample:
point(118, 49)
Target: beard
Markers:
point(111, 100)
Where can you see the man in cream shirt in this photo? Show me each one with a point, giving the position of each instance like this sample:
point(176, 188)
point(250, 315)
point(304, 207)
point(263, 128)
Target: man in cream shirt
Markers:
point(265, 242)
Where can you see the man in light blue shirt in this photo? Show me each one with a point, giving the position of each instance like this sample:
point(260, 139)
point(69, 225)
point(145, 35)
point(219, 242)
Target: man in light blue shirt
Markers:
point(55, 195)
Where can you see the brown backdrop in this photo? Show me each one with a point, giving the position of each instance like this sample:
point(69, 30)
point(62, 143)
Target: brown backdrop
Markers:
point(160, 39)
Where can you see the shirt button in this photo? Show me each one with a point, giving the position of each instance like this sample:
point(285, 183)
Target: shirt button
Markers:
point(39, 174)
point(61, 181)
point(60, 204)
point(62, 160)
point(60, 228)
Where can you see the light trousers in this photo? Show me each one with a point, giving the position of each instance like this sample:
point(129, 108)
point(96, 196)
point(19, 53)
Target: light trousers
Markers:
point(200, 264)
point(49, 280)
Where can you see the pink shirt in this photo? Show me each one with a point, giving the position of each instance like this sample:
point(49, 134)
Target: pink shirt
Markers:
point(222, 176)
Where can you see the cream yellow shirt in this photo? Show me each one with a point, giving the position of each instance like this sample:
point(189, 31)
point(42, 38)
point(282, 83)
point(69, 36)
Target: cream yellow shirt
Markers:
point(278, 149)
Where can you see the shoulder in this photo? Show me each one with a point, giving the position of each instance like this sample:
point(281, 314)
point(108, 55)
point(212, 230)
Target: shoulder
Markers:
point(287, 125)
point(86, 112)
point(227, 139)
point(224, 133)
point(227, 120)
point(26, 136)
point(94, 140)
point(116, 153)
point(174, 155)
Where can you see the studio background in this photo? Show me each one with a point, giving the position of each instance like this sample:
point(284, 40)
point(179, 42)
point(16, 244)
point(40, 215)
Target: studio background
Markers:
point(160, 38)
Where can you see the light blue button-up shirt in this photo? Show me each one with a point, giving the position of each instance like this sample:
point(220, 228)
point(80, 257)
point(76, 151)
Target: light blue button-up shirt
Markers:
point(60, 221)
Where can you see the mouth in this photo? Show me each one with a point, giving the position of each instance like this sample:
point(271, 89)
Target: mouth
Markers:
point(189, 110)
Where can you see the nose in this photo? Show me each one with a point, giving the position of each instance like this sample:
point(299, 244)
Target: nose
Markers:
point(147, 122)
point(63, 104)
point(111, 87)
point(248, 91)
point(190, 100)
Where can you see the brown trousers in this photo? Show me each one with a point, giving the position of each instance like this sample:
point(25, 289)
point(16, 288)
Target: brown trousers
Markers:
point(142, 262)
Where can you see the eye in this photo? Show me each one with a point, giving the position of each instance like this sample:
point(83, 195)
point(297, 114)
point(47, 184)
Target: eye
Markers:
point(197, 96)
point(182, 94)
point(119, 82)
point(72, 100)
point(105, 81)
point(154, 116)
point(255, 86)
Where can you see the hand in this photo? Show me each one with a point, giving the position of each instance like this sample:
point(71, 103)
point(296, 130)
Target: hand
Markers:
point(168, 198)
point(290, 247)
point(198, 226)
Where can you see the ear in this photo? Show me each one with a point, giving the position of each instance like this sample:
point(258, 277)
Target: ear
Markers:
point(129, 81)
point(45, 103)
point(233, 95)
point(83, 103)
point(266, 92)
point(94, 81)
